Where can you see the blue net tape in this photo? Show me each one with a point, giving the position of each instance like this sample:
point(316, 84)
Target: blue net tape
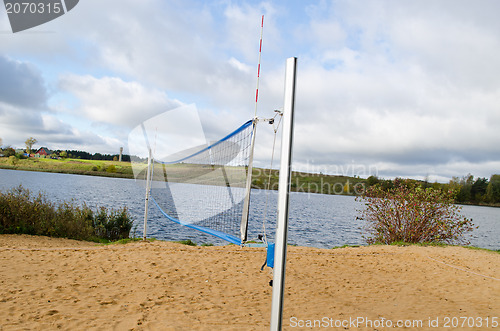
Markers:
point(235, 132)
point(219, 234)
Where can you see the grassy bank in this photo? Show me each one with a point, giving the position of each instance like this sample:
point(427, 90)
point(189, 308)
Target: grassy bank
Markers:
point(309, 183)
point(301, 181)
point(70, 166)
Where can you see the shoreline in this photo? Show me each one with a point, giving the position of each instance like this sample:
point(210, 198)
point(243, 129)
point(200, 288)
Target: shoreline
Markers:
point(71, 172)
point(127, 175)
point(50, 283)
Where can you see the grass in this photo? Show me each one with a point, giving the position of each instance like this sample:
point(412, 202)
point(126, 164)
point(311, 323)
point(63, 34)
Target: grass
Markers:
point(428, 244)
point(482, 249)
point(346, 246)
point(423, 244)
point(125, 241)
point(435, 244)
point(71, 166)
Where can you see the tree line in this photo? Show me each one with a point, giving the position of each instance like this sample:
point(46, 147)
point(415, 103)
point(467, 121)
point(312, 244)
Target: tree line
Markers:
point(467, 189)
point(72, 154)
point(75, 154)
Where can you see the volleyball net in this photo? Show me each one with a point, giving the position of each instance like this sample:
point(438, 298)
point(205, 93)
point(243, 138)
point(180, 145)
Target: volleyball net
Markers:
point(200, 186)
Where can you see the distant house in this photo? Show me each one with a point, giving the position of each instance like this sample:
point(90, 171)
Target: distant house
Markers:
point(43, 152)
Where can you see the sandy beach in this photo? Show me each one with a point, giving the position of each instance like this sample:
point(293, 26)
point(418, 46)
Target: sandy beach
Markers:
point(50, 284)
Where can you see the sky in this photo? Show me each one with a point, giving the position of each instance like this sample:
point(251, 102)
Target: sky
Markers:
point(386, 88)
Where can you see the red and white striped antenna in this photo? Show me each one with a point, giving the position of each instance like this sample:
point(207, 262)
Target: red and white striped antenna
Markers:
point(258, 68)
point(246, 202)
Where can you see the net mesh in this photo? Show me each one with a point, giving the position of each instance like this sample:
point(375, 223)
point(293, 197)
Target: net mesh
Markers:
point(203, 187)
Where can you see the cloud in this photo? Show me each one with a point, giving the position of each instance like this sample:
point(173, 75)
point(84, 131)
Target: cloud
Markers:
point(21, 84)
point(24, 112)
point(411, 88)
point(407, 86)
point(110, 100)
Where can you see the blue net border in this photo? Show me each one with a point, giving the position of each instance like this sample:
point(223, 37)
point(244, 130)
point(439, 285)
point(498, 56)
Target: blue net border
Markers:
point(238, 130)
point(219, 234)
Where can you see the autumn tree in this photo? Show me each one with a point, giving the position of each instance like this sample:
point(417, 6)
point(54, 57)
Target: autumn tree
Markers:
point(410, 213)
point(29, 144)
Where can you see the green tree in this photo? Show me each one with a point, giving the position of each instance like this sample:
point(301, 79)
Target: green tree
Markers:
point(63, 154)
point(9, 151)
point(29, 144)
point(409, 213)
point(465, 184)
point(493, 189)
point(478, 189)
point(372, 180)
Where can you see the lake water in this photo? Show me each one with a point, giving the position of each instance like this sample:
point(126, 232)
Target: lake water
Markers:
point(315, 220)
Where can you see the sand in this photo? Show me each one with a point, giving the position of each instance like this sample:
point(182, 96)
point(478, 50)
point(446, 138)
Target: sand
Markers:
point(49, 284)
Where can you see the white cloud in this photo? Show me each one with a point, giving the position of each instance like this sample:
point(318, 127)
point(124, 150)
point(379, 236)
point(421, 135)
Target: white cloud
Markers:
point(240, 66)
point(410, 86)
point(111, 100)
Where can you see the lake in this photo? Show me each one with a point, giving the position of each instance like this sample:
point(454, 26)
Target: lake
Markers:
point(315, 220)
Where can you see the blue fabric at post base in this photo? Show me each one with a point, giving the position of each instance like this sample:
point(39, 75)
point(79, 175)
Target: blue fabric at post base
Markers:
point(270, 255)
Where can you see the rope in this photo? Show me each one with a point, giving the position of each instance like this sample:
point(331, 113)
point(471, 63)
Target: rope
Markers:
point(275, 129)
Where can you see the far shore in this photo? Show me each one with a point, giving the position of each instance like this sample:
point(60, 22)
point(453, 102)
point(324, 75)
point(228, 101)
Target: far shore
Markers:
point(301, 182)
point(79, 167)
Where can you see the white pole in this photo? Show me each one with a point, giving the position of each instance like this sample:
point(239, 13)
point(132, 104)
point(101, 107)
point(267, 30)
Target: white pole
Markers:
point(248, 188)
point(148, 188)
point(283, 196)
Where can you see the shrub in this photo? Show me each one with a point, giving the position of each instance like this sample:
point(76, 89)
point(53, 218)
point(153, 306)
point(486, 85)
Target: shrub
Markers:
point(188, 242)
point(12, 160)
point(409, 213)
point(112, 225)
point(9, 151)
point(111, 169)
point(23, 213)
